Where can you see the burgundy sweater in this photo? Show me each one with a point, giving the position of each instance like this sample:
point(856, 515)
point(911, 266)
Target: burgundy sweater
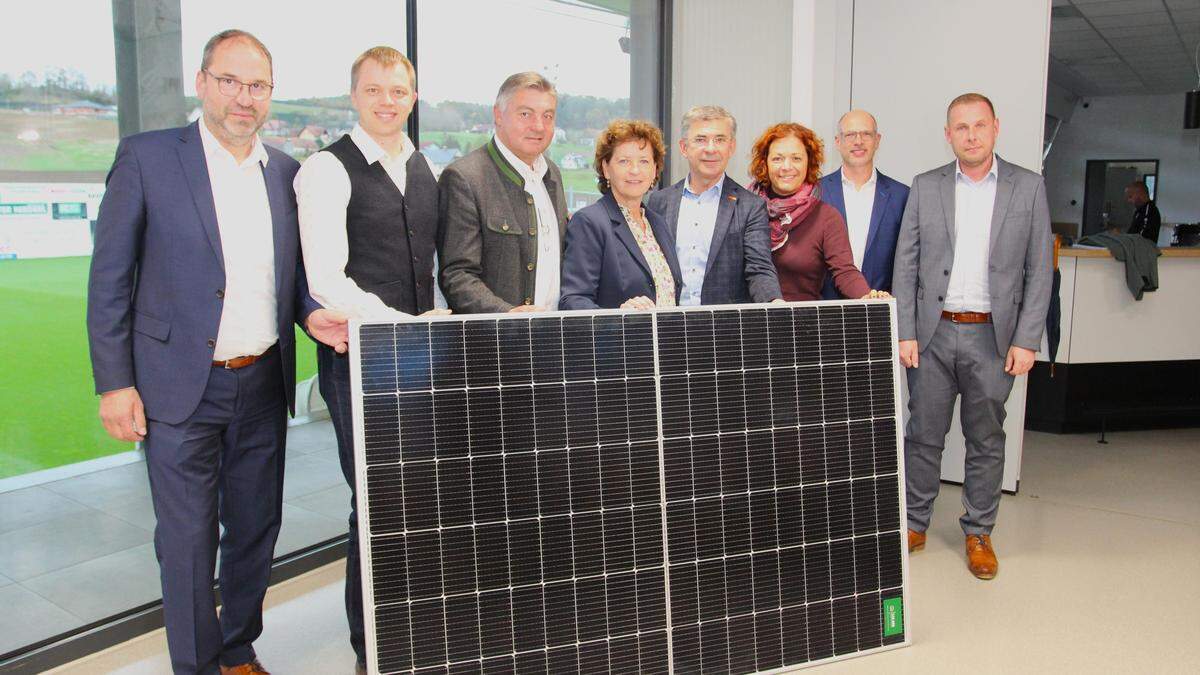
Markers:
point(817, 246)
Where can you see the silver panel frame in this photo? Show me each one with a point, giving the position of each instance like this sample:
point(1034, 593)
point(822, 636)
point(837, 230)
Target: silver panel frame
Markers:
point(360, 472)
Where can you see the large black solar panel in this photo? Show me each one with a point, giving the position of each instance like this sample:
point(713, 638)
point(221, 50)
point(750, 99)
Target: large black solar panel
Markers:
point(691, 490)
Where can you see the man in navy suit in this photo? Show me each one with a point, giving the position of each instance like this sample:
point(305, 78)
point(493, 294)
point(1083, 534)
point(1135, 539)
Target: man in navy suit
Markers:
point(722, 236)
point(195, 284)
point(871, 203)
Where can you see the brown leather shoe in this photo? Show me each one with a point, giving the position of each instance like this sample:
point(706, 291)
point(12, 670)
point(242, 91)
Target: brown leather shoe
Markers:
point(981, 559)
point(252, 668)
point(916, 540)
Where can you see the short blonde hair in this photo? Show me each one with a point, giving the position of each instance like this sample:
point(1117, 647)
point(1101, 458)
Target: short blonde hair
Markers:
point(618, 132)
point(386, 57)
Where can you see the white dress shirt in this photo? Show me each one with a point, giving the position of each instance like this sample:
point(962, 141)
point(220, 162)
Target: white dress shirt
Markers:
point(973, 205)
point(694, 237)
point(860, 202)
point(249, 313)
point(546, 276)
point(322, 195)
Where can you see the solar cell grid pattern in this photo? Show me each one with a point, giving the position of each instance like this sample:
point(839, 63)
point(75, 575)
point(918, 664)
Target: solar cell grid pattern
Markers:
point(530, 510)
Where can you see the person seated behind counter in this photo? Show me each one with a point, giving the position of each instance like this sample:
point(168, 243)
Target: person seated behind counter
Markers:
point(1146, 219)
point(808, 236)
point(619, 253)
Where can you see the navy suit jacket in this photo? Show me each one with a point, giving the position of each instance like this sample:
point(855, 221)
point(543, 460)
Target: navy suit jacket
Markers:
point(158, 274)
point(886, 213)
point(602, 264)
point(739, 267)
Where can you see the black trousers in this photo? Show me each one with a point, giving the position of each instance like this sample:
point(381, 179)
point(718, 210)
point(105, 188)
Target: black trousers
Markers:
point(333, 379)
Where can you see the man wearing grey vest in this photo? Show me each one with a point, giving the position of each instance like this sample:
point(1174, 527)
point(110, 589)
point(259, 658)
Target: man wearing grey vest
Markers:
point(501, 209)
point(972, 282)
point(368, 223)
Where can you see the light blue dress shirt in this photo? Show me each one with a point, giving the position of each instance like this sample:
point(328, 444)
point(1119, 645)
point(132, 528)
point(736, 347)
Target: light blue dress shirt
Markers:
point(693, 237)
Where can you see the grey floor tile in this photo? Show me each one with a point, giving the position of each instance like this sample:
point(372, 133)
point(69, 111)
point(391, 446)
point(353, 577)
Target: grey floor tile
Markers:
point(302, 528)
point(119, 482)
point(65, 541)
point(310, 473)
point(307, 438)
point(135, 510)
point(33, 505)
point(333, 502)
point(103, 586)
point(28, 618)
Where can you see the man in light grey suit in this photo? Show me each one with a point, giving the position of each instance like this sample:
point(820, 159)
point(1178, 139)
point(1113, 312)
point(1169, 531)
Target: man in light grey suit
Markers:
point(972, 284)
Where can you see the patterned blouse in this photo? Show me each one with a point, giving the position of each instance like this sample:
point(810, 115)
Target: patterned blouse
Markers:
point(664, 281)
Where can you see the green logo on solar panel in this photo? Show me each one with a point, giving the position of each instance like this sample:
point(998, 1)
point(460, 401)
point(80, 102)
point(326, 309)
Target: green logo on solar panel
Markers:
point(893, 617)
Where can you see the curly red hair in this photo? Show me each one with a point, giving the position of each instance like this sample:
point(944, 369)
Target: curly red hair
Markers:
point(762, 147)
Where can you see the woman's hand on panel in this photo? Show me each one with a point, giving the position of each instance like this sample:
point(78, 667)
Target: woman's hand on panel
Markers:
point(640, 302)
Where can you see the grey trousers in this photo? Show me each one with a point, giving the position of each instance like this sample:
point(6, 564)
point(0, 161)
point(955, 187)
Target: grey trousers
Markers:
point(960, 359)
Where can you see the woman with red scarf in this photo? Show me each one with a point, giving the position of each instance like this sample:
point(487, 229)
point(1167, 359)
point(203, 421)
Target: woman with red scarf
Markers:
point(808, 236)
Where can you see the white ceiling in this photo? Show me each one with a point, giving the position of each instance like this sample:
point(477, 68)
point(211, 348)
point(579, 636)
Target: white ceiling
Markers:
point(1109, 47)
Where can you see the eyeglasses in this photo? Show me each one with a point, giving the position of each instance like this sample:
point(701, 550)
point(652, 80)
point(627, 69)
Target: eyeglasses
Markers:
point(853, 136)
point(703, 141)
point(259, 91)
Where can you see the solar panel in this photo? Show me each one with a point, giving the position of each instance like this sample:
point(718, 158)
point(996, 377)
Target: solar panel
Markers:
point(709, 489)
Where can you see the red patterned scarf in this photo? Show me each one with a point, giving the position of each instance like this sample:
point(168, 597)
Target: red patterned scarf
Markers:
point(786, 212)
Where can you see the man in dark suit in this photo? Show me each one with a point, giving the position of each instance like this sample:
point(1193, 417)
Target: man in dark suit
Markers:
point(195, 285)
point(871, 203)
point(722, 236)
point(502, 213)
point(1146, 219)
point(972, 285)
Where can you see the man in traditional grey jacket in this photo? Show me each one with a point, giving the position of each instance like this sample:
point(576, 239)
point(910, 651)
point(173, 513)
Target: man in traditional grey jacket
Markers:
point(501, 209)
point(972, 282)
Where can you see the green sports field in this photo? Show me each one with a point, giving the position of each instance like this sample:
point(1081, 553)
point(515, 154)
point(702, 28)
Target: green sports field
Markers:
point(47, 408)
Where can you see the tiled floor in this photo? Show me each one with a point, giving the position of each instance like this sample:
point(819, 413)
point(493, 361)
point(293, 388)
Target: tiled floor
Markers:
point(81, 549)
point(1099, 554)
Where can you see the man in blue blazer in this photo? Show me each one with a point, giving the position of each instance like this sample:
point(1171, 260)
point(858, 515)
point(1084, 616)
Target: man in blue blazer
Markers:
point(194, 287)
point(871, 203)
point(721, 233)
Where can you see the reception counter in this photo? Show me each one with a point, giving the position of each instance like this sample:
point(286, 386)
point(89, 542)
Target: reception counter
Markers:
point(1121, 363)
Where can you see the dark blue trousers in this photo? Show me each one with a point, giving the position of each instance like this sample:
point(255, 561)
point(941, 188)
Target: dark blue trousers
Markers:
point(224, 464)
point(333, 379)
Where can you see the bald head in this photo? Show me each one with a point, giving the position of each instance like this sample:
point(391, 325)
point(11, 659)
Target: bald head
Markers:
point(857, 119)
point(857, 140)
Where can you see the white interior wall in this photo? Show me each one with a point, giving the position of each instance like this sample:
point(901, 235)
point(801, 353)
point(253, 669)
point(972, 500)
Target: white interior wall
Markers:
point(1127, 127)
point(911, 58)
point(736, 55)
point(822, 55)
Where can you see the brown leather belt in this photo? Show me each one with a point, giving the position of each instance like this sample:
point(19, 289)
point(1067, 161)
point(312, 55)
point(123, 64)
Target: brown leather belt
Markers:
point(968, 317)
point(241, 361)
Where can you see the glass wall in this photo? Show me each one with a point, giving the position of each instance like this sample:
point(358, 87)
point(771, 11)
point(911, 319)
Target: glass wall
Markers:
point(58, 132)
point(601, 55)
point(76, 522)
